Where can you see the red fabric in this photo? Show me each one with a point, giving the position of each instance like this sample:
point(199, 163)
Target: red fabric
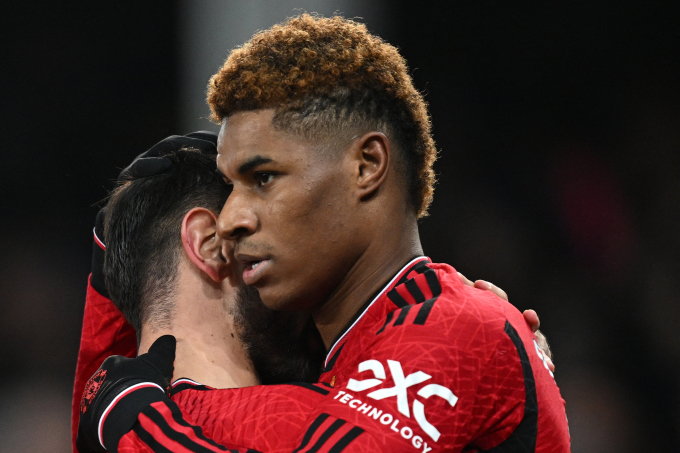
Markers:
point(105, 333)
point(463, 346)
point(265, 417)
point(465, 385)
point(131, 443)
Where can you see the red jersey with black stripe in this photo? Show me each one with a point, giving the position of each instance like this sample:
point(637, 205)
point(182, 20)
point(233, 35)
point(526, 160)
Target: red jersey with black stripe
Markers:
point(429, 364)
point(262, 417)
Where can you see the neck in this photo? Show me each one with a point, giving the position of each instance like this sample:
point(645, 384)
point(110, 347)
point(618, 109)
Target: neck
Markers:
point(393, 245)
point(208, 348)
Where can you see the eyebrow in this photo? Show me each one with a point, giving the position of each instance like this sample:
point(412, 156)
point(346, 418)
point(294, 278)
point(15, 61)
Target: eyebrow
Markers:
point(252, 163)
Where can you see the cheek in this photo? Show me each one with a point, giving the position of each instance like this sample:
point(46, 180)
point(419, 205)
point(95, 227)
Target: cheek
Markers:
point(312, 212)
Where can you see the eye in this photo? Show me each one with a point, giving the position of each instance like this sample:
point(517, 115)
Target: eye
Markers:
point(263, 178)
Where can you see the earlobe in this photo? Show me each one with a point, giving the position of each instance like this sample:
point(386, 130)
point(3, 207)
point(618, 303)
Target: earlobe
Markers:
point(373, 155)
point(202, 245)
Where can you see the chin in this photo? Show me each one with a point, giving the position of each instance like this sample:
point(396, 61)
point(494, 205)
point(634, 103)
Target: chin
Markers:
point(280, 300)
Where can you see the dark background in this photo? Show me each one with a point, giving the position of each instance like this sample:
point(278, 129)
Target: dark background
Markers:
point(559, 133)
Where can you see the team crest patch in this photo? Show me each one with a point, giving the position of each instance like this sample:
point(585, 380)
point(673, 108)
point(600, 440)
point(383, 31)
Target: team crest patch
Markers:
point(91, 389)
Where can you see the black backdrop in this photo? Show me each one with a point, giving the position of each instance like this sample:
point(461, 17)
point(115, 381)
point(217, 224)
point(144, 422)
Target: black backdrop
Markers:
point(559, 133)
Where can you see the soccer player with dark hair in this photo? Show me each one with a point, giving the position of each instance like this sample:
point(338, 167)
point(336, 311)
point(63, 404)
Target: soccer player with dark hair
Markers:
point(327, 146)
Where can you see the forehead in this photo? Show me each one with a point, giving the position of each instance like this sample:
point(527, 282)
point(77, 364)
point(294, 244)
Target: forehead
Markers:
point(248, 134)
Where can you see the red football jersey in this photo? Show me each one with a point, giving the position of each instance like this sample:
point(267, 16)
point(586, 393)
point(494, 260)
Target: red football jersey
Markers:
point(429, 364)
point(433, 364)
point(263, 417)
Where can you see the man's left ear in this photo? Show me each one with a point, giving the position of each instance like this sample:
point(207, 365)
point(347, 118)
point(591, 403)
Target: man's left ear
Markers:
point(372, 152)
point(202, 245)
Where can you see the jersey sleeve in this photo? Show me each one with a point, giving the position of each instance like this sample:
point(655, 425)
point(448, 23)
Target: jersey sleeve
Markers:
point(105, 332)
point(407, 411)
point(162, 427)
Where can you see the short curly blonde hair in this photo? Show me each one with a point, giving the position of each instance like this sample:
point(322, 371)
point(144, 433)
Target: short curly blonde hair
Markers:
point(328, 78)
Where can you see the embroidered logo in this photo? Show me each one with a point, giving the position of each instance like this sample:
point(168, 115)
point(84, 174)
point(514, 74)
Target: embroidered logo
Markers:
point(91, 389)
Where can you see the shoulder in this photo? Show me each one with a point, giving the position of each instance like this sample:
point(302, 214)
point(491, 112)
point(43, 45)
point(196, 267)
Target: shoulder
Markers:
point(442, 307)
point(441, 324)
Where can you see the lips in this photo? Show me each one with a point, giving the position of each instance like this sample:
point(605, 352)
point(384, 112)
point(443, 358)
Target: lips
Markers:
point(255, 267)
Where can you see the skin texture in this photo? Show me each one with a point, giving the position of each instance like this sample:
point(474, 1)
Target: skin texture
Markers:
point(330, 228)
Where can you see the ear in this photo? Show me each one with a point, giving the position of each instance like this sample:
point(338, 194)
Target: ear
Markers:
point(372, 154)
point(202, 245)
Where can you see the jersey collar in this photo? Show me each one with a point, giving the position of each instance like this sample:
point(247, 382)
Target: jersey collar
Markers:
point(404, 270)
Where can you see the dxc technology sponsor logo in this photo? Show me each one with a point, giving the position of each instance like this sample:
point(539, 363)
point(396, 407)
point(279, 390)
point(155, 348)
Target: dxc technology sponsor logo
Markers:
point(401, 384)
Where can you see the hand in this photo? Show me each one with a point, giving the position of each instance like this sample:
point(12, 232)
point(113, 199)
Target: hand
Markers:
point(152, 162)
point(530, 316)
point(119, 390)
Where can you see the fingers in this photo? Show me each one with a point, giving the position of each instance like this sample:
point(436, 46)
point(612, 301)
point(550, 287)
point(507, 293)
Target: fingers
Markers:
point(532, 320)
point(545, 349)
point(161, 355)
point(482, 284)
point(204, 135)
point(145, 167)
point(551, 365)
point(154, 162)
point(164, 347)
point(465, 280)
point(531, 317)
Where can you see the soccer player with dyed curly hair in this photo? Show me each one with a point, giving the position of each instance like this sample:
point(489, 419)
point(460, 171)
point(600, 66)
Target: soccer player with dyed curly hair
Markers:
point(327, 146)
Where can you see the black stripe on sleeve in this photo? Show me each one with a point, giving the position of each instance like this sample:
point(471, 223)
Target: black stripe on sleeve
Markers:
point(250, 450)
point(179, 419)
point(433, 282)
point(311, 387)
point(310, 431)
point(177, 436)
point(387, 321)
point(125, 413)
point(424, 311)
point(421, 267)
point(402, 315)
point(396, 298)
point(346, 439)
point(331, 362)
point(523, 438)
point(326, 435)
point(417, 294)
point(146, 437)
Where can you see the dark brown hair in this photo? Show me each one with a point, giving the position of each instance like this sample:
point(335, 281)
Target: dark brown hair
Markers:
point(142, 231)
point(328, 78)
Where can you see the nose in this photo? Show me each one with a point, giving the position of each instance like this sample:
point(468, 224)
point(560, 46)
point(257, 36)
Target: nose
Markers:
point(237, 218)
